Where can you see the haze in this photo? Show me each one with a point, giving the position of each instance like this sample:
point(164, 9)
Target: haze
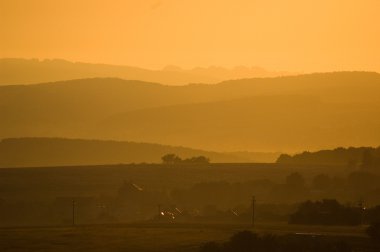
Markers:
point(190, 125)
point(292, 35)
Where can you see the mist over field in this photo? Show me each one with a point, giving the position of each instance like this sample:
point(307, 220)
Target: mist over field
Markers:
point(191, 126)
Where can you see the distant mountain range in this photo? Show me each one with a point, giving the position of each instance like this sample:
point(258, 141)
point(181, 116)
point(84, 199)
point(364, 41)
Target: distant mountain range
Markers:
point(42, 152)
point(24, 71)
point(287, 114)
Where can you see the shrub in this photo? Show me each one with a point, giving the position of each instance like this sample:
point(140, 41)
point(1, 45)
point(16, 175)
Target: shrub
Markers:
point(374, 231)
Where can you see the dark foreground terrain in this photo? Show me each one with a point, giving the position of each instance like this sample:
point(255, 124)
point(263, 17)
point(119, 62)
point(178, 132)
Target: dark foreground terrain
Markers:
point(92, 180)
point(189, 192)
point(36, 205)
point(155, 237)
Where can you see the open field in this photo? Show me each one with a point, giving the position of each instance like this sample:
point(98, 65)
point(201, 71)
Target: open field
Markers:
point(148, 237)
point(106, 179)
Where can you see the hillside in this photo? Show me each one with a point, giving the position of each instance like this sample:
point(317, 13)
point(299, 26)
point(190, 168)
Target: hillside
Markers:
point(363, 157)
point(23, 71)
point(262, 123)
point(316, 111)
point(38, 152)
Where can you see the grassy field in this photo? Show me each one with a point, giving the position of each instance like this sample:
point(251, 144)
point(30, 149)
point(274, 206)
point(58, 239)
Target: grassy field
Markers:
point(148, 237)
point(106, 179)
point(51, 182)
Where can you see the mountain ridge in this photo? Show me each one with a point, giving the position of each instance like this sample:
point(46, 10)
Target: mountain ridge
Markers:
point(28, 71)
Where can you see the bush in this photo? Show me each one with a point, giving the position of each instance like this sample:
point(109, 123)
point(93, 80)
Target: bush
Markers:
point(211, 247)
point(326, 212)
point(374, 231)
point(246, 241)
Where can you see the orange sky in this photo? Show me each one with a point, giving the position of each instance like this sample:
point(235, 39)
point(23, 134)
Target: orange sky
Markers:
point(291, 35)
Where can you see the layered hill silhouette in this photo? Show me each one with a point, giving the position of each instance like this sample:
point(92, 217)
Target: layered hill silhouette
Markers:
point(316, 111)
point(23, 71)
point(263, 123)
point(366, 158)
point(40, 152)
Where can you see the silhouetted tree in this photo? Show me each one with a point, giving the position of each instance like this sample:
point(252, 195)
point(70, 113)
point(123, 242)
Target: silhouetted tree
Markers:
point(284, 158)
point(170, 159)
point(372, 215)
point(295, 180)
point(363, 181)
point(321, 182)
point(365, 157)
point(174, 159)
point(197, 160)
point(211, 247)
point(326, 212)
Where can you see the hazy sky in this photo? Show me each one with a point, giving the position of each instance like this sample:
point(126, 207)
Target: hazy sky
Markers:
point(292, 35)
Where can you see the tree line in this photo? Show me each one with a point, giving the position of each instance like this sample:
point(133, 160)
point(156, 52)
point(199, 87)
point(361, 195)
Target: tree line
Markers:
point(363, 157)
point(174, 159)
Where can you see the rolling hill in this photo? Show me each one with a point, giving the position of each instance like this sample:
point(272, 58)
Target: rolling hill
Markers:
point(24, 71)
point(40, 152)
point(316, 111)
point(263, 123)
point(365, 158)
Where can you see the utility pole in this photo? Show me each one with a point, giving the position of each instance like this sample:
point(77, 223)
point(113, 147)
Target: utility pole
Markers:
point(73, 212)
point(361, 209)
point(253, 211)
point(159, 211)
